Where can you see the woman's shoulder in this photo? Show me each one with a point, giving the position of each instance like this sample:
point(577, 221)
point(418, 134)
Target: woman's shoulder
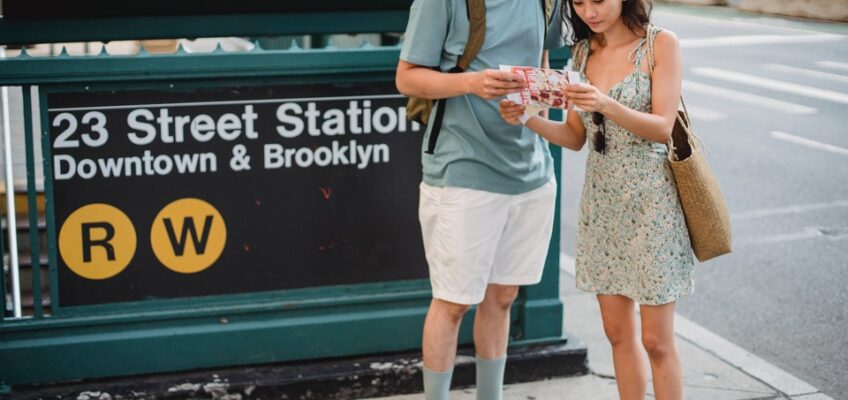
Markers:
point(664, 37)
point(662, 45)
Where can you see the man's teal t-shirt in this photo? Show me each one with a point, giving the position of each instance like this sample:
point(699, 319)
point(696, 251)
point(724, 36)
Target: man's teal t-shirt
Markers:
point(476, 148)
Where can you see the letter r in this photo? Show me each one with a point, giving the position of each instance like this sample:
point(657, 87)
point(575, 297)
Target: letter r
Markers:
point(88, 243)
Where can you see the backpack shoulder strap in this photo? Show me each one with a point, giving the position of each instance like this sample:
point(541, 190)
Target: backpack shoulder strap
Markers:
point(548, 8)
point(476, 32)
point(477, 28)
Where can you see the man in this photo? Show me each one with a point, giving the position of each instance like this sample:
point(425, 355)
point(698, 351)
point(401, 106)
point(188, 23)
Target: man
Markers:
point(488, 191)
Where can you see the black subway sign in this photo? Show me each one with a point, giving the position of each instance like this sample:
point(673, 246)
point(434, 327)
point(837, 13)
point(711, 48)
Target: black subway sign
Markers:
point(167, 194)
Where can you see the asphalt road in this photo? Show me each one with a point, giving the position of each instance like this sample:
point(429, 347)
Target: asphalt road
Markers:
point(769, 97)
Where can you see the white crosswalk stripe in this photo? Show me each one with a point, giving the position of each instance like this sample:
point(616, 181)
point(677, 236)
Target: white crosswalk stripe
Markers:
point(787, 87)
point(809, 143)
point(705, 114)
point(747, 98)
point(833, 64)
point(807, 72)
point(748, 40)
point(788, 210)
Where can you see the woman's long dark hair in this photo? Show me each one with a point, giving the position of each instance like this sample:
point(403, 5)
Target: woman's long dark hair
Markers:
point(636, 15)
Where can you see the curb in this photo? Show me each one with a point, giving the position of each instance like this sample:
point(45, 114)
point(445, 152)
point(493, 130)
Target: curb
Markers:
point(344, 378)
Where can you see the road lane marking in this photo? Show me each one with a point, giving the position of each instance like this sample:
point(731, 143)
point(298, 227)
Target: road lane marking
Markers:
point(807, 72)
point(728, 352)
point(809, 143)
point(748, 98)
point(833, 64)
point(772, 84)
point(705, 114)
point(747, 40)
point(762, 23)
point(810, 232)
point(788, 210)
point(807, 233)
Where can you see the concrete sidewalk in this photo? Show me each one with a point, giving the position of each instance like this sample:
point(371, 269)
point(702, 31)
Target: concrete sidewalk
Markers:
point(713, 369)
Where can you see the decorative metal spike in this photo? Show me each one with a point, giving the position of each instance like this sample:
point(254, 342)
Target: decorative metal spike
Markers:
point(103, 51)
point(218, 48)
point(366, 45)
point(24, 53)
point(257, 46)
point(180, 48)
point(294, 45)
point(64, 52)
point(330, 44)
point(142, 52)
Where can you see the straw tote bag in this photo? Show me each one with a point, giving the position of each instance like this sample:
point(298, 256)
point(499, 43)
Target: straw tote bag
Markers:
point(703, 205)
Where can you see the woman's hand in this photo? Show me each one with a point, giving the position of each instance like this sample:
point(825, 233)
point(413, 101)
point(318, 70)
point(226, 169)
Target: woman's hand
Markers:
point(587, 97)
point(510, 111)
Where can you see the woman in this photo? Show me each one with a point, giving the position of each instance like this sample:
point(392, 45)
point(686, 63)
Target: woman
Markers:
point(632, 242)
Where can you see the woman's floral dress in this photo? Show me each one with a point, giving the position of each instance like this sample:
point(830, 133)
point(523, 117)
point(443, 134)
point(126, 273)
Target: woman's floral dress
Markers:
point(632, 238)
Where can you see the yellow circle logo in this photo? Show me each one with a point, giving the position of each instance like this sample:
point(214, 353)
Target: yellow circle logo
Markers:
point(188, 235)
point(97, 241)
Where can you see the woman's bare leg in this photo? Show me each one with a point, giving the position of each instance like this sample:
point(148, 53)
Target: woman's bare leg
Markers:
point(631, 370)
point(658, 339)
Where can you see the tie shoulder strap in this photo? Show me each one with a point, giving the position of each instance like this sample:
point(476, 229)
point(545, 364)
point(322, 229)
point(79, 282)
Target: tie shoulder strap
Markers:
point(651, 38)
point(580, 53)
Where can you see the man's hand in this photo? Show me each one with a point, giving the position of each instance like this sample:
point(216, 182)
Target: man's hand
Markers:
point(489, 84)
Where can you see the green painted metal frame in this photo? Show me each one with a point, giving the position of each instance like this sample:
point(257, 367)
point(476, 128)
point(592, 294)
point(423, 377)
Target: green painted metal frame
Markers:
point(165, 27)
point(2, 282)
point(32, 207)
point(179, 334)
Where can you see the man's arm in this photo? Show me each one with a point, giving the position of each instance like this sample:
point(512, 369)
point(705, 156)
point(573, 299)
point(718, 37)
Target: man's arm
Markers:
point(424, 82)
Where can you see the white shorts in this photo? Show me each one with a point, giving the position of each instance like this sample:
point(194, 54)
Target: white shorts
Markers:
point(473, 238)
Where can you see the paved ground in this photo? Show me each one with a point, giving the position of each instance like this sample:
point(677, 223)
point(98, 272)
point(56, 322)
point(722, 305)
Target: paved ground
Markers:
point(707, 376)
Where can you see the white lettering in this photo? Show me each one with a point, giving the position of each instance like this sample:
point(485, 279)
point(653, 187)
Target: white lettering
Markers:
point(304, 157)
point(86, 169)
point(390, 115)
point(203, 128)
point(273, 156)
point(134, 123)
point(229, 127)
point(295, 124)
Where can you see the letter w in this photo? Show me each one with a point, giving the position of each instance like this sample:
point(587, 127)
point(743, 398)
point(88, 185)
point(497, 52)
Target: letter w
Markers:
point(111, 166)
point(186, 162)
point(188, 228)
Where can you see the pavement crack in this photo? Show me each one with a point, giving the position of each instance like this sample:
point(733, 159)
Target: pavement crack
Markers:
point(600, 375)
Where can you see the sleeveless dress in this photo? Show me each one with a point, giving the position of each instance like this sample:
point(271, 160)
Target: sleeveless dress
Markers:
point(632, 238)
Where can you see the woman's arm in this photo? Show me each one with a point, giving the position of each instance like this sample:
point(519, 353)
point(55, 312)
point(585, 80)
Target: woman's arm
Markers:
point(665, 95)
point(571, 134)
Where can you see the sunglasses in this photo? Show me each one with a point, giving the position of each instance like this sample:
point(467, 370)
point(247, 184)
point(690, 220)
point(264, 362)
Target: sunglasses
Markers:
point(600, 141)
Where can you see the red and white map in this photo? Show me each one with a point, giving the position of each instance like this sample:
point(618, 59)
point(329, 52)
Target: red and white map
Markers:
point(545, 87)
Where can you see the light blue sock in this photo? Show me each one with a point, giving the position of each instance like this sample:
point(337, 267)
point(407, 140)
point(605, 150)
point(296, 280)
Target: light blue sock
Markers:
point(490, 376)
point(437, 384)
